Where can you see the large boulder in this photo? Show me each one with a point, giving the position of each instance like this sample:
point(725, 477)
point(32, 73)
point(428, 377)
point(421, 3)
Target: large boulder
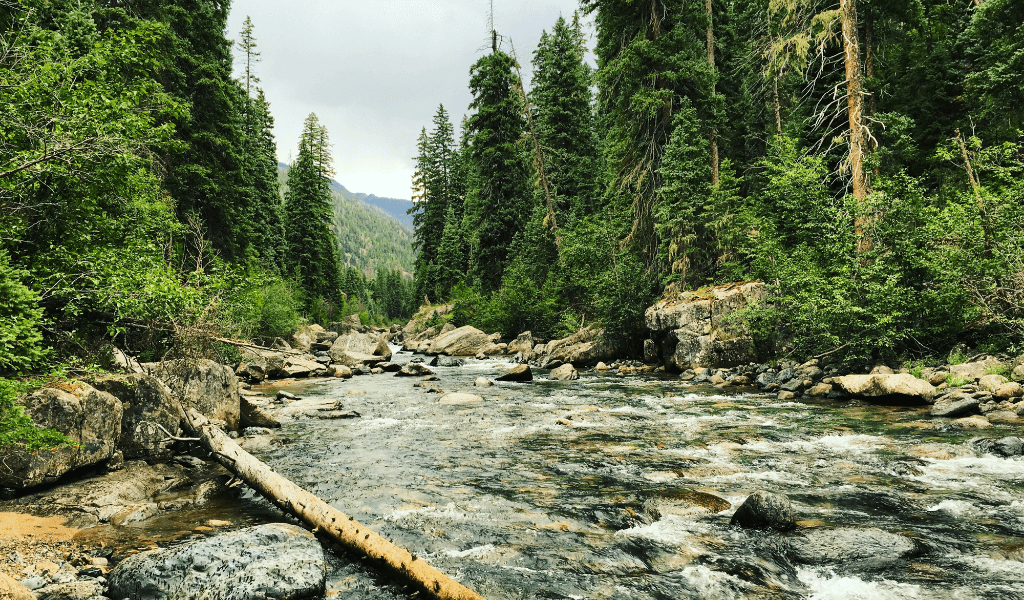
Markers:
point(765, 510)
point(284, 366)
point(585, 347)
point(210, 388)
point(697, 329)
point(974, 371)
point(516, 373)
point(991, 383)
point(267, 561)
point(523, 344)
point(148, 404)
point(955, 405)
point(305, 337)
point(898, 387)
point(253, 415)
point(463, 341)
point(566, 372)
point(89, 417)
point(355, 349)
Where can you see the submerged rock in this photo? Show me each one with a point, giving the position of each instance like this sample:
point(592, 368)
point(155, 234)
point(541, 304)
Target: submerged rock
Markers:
point(267, 561)
point(1007, 446)
point(483, 382)
point(517, 373)
point(460, 398)
point(765, 510)
point(413, 370)
point(826, 545)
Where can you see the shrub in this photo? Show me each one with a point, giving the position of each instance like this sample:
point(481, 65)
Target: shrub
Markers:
point(20, 340)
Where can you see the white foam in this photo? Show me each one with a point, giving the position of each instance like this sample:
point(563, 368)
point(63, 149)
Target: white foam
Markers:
point(715, 584)
point(955, 508)
point(670, 529)
point(476, 552)
point(449, 512)
point(829, 586)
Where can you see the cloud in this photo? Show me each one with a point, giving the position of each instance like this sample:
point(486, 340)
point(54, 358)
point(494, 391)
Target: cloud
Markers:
point(375, 72)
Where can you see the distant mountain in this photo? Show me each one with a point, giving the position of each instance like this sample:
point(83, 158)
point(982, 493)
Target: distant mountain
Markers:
point(395, 207)
point(369, 237)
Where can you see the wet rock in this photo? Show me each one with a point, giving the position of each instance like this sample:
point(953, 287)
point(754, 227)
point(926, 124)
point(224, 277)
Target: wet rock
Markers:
point(209, 387)
point(820, 390)
point(89, 417)
point(13, 590)
point(826, 545)
point(284, 366)
point(355, 349)
point(600, 366)
point(955, 405)
point(1006, 447)
point(766, 378)
point(793, 385)
point(932, 451)
point(389, 367)
point(333, 414)
point(785, 396)
point(73, 590)
point(253, 415)
point(459, 398)
point(339, 371)
point(446, 361)
point(975, 422)
point(267, 561)
point(464, 341)
point(898, 386)
point(483, 382)
point(566, 372)
point(283, 395)
point(765, 510)
point(740, 380)
point(517, 373)
point(413, 370)
point(146, 404)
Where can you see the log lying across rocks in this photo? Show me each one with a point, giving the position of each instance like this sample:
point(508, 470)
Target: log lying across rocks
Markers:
point(324, 518)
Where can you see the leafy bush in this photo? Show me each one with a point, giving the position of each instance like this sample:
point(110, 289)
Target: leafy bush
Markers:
point(20, 340)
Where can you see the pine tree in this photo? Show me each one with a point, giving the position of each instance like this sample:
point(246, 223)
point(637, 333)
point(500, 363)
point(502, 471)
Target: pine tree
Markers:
point(450, 266)
point(564, 121)
point(312, 245)
point(498, 200)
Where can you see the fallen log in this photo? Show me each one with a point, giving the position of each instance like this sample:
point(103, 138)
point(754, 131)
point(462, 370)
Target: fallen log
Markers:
point(324, 518)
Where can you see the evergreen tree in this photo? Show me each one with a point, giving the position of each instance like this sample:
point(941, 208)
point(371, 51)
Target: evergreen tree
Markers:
point(564, 122)
point(312, 245)
point(451, 258)
point(498, 200)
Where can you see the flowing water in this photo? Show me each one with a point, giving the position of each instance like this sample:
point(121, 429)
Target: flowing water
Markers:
point(612, 487)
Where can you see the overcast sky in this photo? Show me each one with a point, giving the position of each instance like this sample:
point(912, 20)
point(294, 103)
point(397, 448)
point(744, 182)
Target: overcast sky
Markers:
point(375, 72)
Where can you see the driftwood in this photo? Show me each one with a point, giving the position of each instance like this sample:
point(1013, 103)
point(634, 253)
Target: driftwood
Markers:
point(324, 518)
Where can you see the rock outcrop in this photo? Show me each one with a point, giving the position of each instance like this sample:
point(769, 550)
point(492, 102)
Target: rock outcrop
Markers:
point(697, 329)
point(89, 417)
point(587, 346)
point(147, 405)
point(209, 387)
point(463, 341)
point(267, 561)
point(355, 349)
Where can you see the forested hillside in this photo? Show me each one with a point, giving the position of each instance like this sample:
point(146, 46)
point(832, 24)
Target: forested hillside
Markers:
point(369, 237)
point(864, 158)
point(140, 194)
point(395, 207)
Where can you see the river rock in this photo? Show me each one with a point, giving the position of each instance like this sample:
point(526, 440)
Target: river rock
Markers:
point(89, 417)
point(826, 545)
point(446, 361)
point(459, 398)
point(566, 372)
point(464, 341)
point(413, 370)
point(266, 561)
point(389, 367)
point(974, 422)
point(820, 390)
point(992, 383)
point(765, 510)
point(517, 373)
point(339, 371)
point(305, 337)
point(696, 330)
point(483, 382)
point(955, 405)
point(355, 349)
point(1009, 390)
point(284, 366)
point(209, 387)
point(1018, 372)
point(523, 344)
point(898, 386)
point(254, 416)
point(254, 371)
point(146, 403)
point(587, 346)
point(72, 590)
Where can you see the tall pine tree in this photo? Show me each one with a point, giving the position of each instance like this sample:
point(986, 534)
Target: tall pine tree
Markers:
point(312, 246)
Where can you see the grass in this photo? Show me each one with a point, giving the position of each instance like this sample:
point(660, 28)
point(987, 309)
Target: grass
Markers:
point(955, 380)
point(997, 369)
point(957, 358)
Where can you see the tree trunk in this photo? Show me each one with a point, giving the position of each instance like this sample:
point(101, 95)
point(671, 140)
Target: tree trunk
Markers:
point(711, 61)
point(855, 104)
point(869, 57)
point(776, 105)
point(325, 519)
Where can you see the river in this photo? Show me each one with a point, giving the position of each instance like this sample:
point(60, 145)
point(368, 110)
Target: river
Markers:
point(603, 488)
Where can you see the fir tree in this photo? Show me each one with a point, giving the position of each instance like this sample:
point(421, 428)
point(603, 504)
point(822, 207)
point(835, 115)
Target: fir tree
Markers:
point(312, 246)
point(498, 200)
point(450, 266)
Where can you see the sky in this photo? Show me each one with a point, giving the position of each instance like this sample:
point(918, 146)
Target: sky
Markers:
point(375, 72)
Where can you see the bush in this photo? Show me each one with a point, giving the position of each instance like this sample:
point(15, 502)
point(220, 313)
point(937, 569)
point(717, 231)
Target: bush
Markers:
point(16, 427)
point(20, 340)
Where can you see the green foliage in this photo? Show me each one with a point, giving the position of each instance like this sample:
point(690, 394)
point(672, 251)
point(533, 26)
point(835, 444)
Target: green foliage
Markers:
point(20, 316)
point(16, 427)
point(955, 380)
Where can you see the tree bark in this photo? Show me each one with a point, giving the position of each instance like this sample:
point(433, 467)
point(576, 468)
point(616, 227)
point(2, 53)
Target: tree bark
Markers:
point(855, 105)
point(324, 518)
point(711, 61)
